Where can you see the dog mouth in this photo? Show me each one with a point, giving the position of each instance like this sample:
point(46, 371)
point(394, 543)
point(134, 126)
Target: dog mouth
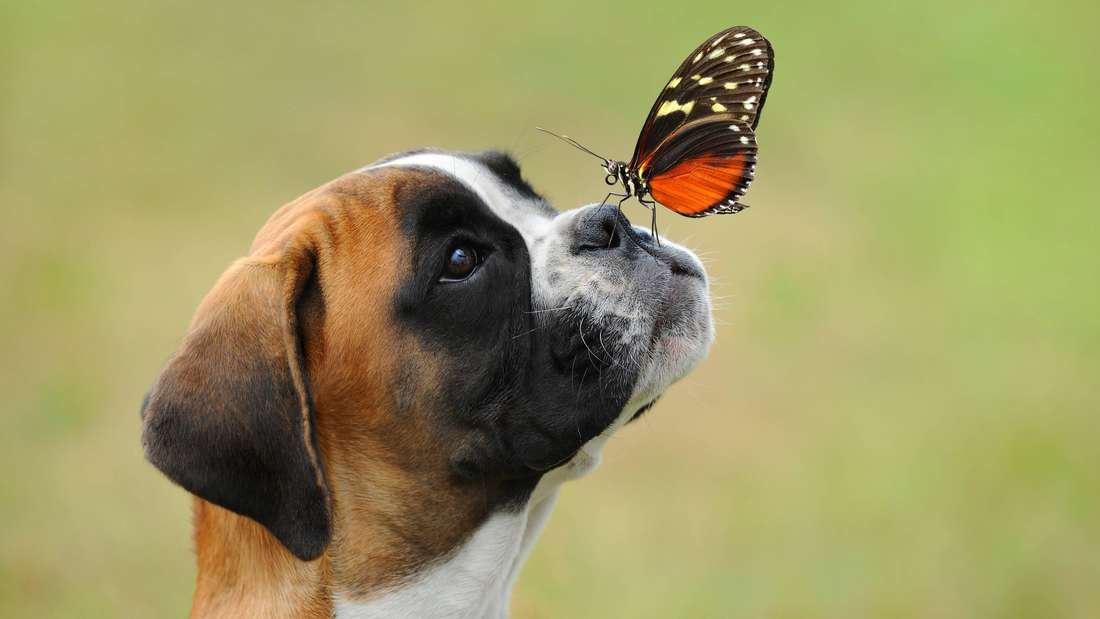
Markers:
point(684, 289)
point(643, 410)
point(680, 333)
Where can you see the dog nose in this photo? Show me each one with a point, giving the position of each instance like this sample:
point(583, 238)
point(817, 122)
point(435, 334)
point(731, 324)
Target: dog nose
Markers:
point(605, 228)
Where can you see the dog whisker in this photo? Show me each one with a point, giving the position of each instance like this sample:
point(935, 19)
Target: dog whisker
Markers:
point(552, 309)
point(580, 331)
point(583, 376)
point(528, 332)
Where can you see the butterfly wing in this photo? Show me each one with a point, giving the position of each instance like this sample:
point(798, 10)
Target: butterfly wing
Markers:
point(704, 168)
point(697, 148)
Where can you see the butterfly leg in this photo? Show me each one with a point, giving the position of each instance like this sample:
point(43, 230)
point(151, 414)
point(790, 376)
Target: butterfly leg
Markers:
point(627, 229)
point(604, 201)
point(623, 223)
point(624, 196)
point(652, 206)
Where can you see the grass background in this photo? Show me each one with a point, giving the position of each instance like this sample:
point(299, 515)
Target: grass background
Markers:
point(898, 419)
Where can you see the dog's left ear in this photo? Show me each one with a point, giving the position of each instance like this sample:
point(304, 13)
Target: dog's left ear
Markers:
point(231, 417)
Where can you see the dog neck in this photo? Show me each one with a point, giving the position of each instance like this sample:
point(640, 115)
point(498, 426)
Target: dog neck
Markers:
point(475, 581)
point(244, 571)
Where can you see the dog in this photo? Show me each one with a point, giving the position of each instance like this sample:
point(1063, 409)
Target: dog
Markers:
point(375, 408)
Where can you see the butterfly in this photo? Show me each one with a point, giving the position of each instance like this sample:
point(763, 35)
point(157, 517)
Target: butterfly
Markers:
point(696, 153)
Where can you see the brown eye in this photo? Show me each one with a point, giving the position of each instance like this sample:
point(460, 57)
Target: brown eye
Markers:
point(460, 264)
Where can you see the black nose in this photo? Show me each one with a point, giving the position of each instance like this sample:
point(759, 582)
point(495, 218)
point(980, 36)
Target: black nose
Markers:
point(605, 228)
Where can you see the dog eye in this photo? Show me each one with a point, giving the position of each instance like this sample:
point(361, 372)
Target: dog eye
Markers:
point(460, 263)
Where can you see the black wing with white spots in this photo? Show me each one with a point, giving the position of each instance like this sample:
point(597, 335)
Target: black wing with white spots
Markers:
point(727, 76)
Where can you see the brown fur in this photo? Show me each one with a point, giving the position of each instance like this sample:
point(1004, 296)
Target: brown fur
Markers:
point(395, 505)
point(243, 571)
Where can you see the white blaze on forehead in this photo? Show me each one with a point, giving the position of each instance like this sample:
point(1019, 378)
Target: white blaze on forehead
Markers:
point(535, 226)
point(499, 197)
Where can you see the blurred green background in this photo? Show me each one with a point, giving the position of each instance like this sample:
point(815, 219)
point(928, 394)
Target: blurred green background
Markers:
point(898, 418)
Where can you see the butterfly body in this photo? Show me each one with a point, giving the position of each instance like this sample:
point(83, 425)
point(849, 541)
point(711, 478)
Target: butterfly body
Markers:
point(696, 152)
point(620, 172)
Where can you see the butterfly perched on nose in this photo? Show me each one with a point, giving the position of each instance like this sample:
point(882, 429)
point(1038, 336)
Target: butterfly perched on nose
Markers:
point(696, 152)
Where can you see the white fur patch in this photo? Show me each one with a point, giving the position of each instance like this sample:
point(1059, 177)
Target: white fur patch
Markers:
point(501, 199)
point(474, 582)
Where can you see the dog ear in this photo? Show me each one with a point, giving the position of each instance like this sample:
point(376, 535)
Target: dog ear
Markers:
point(231, 416)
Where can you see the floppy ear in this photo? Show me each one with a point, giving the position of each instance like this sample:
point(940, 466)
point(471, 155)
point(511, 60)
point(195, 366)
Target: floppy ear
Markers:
point(230, 418)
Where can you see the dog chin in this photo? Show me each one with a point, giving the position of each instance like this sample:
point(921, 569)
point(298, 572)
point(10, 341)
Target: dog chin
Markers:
point(683, 333)
point(682, 336)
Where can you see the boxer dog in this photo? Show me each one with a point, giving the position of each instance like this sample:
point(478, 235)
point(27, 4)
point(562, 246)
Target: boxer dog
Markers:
point(375, 407)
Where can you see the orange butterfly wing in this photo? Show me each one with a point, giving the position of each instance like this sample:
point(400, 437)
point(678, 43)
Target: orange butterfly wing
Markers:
point(701, 186)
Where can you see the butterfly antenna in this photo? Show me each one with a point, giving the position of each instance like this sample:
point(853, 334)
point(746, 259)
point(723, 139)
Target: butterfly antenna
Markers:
point(574, 143)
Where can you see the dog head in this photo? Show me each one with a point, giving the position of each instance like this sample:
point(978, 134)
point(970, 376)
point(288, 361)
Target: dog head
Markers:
point(413, 346)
